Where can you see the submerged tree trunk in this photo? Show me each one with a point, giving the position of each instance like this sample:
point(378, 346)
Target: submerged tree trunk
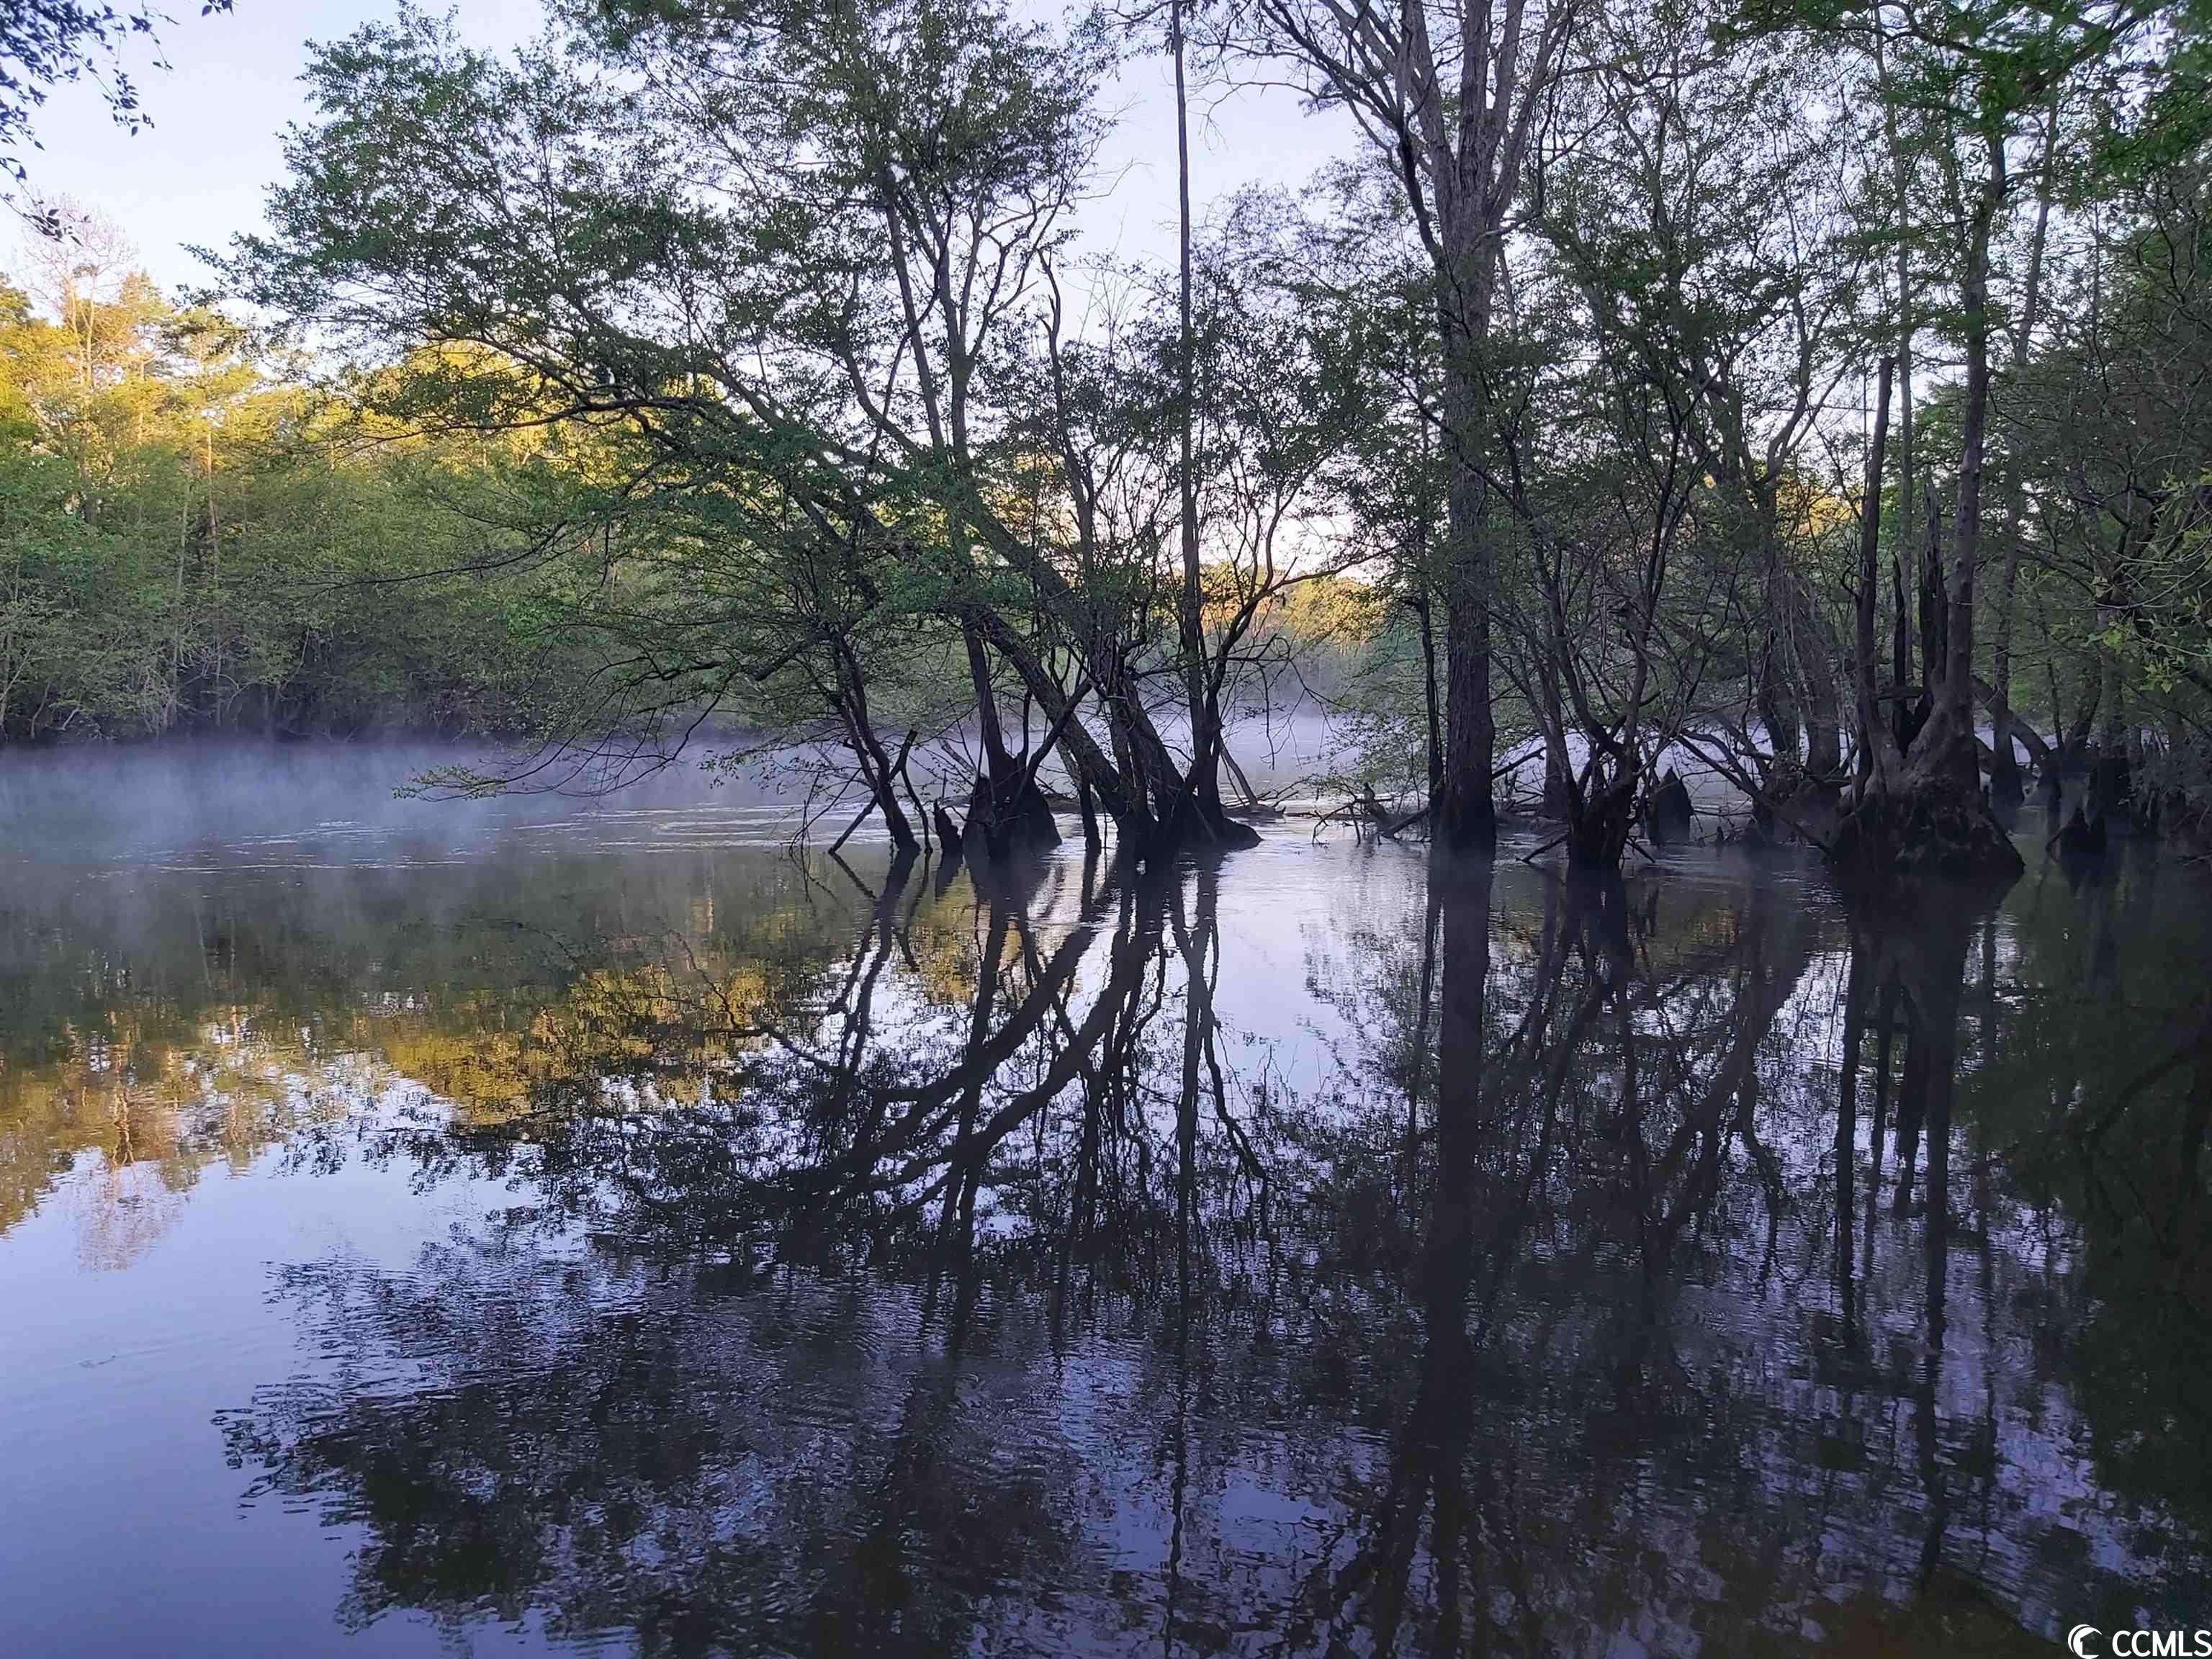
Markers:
point(1139, 785)
point(2004, 766)
point(1203, 783)
point(1006, 810)
point(1933, 815)
point(879, 770)
point(1601, 818)
point(1466, 813)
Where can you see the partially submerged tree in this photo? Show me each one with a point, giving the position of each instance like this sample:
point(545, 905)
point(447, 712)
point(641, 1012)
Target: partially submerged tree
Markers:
point(800, 259)
point(1453, 96)
point(1978, 74)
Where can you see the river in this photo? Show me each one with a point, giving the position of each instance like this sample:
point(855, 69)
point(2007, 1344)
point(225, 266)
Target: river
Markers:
point(558, 1225)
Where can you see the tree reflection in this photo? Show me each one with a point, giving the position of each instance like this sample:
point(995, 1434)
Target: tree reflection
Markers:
point(1611, 1285)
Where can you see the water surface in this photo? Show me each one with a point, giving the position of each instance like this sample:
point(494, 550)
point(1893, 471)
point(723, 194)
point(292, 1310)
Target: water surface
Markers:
point(573, 1226)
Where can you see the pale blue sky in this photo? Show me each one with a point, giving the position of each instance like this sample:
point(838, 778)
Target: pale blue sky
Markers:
point(199, 175)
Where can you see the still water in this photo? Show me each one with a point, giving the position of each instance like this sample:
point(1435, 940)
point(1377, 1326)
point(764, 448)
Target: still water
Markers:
point(551, 1226)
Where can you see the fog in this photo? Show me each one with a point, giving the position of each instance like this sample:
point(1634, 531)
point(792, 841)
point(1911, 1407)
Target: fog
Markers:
point(303, 803)
point(332, 802)
point(249, 800)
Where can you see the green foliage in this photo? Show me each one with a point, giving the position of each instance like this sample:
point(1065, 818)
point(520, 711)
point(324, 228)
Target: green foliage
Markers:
point(188, 541)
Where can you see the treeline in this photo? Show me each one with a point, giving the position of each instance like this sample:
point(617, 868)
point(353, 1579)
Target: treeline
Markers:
point(193, 538)
point(1816, 387)
point(196, 536)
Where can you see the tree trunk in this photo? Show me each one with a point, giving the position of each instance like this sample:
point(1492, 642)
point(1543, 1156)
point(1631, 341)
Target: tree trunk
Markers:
point(1951, 756)
point(1824, 743)
point(1935, 815)
point(2004, 767)
point(1466, 815)
point(878, 769)
point(1203, 782)
point(1878, 757)
point(1935, 619)
point(1457, 126)
point(1777, 706)
point(1431, 707)
point(1006, 811)
point(1900, 623)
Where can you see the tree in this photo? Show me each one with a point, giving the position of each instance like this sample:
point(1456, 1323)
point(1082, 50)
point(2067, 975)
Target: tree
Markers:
point(802, 261)
point(1973, 74)
point(1691, 327)
point(1453, 96)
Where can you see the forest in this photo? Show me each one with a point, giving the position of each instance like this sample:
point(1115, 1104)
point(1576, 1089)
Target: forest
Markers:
point(1810, 394)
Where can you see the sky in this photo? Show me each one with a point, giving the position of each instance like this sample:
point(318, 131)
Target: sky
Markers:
point(201, 174)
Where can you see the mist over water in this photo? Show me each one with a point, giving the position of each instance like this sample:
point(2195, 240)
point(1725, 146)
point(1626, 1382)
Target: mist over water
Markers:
point(233, 801)
point(564, 1224)
point(291, 802)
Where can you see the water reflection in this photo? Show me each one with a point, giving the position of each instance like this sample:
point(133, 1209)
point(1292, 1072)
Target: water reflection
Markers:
point(1035, 1261)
